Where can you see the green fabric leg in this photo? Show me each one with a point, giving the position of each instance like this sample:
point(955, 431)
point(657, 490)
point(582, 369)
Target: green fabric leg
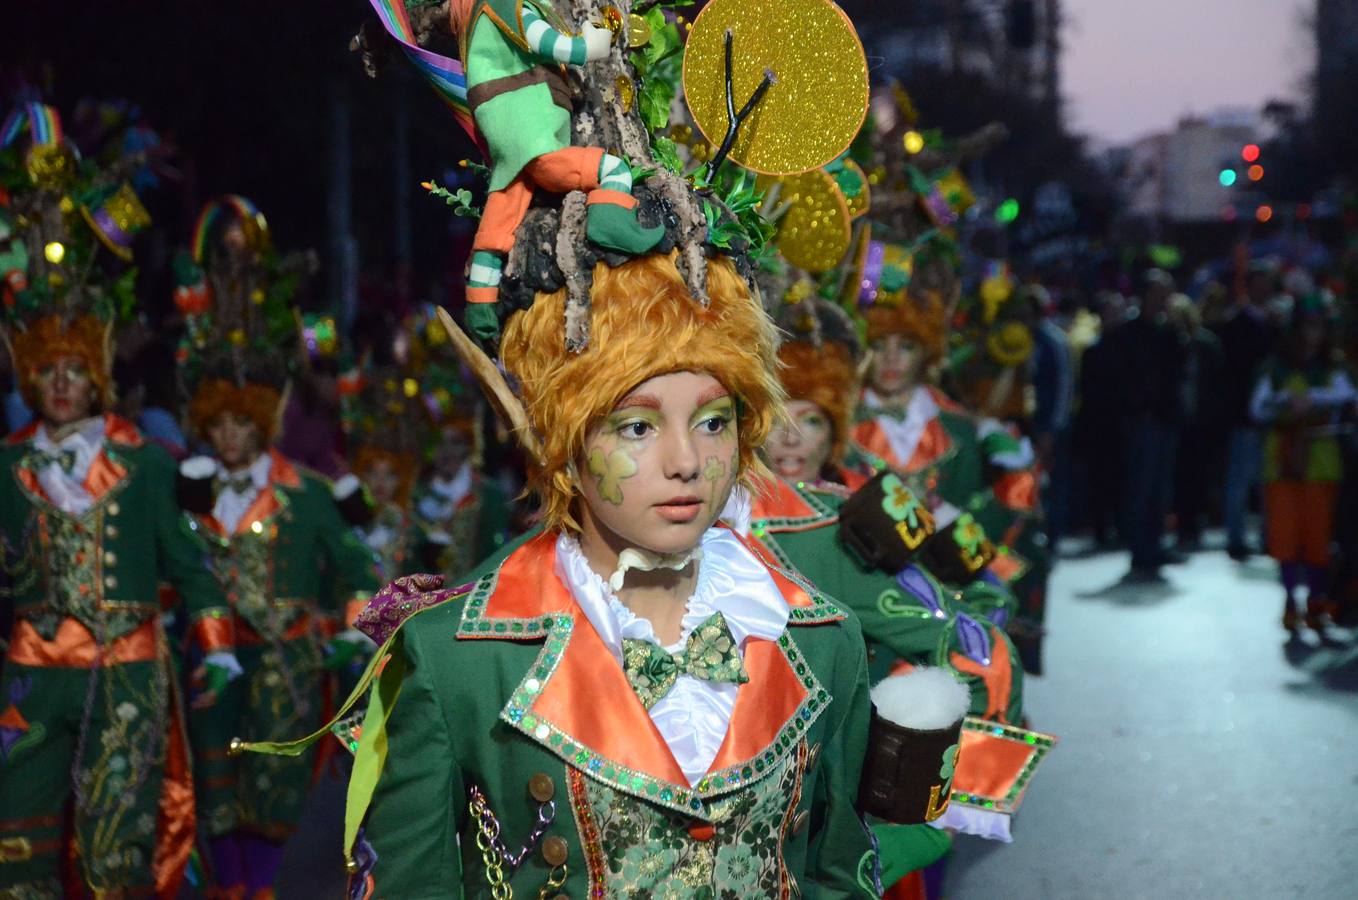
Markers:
point(120, 774)
point(255, 792)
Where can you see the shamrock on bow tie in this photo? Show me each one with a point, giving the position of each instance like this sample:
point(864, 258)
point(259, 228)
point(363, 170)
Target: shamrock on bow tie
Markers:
point(710, 654)
point(64, 459)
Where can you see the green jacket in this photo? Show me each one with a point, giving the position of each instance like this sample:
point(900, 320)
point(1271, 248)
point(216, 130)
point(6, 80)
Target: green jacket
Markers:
point(931, 624)
point(503, 686)
point(290, 551)
point(950, 465)
point(104, 567)
point(947, 463)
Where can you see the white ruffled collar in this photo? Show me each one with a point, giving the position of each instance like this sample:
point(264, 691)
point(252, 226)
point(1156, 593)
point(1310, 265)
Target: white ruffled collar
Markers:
point(730, 581)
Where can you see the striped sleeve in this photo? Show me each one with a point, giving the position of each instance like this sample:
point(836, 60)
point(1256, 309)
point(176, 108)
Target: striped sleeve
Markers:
point(548, 44)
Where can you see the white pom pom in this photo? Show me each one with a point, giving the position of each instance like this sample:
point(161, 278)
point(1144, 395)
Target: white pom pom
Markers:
point(344, 488)
point(925, 699)
point(198, 467)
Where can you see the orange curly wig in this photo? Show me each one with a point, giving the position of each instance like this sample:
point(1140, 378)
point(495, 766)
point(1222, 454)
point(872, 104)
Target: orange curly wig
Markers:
point(643, 323)
point(918, 319)
point(825, 376)
point(256, 402)
point(48, 338)
point(404, 464)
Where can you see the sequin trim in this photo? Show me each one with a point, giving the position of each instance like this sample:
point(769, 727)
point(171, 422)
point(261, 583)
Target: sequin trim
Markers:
point(1041, 745)
point(596, 862)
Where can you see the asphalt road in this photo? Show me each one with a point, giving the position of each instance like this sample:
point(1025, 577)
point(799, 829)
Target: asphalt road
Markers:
point(1202, 753)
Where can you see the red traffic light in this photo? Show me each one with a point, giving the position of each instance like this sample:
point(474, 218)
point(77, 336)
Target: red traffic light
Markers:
point(1250, 153)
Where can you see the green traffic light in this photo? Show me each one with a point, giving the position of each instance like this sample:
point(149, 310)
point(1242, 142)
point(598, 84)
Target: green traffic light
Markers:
point(1007, 211)
point(1227, 177)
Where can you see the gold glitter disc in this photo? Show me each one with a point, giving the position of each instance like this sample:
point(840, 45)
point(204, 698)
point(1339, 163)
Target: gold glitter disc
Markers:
point(814, 233)
point(818, 101)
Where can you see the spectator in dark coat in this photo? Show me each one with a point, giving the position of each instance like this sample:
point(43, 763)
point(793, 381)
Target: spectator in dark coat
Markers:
point(1247, 339)
point(1202, 430)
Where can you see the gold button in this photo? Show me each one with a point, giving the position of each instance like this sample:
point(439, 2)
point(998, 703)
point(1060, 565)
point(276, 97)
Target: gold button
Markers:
point(541, 787)
point(114, 509)
point(554, 851)
point(799, 822)
point(110, 558)
point(111, 531)
point(111, 582)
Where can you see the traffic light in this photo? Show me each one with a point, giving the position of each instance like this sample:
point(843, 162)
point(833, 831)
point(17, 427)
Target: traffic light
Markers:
point(1250, 153)
point(1227, 177)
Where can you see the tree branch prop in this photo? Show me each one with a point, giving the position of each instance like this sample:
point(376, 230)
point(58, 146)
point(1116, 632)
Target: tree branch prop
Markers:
point(735, 118)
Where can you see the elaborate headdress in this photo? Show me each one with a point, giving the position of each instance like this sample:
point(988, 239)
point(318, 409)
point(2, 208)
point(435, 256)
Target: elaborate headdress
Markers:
point(384, 419)
point(901, 276)
point(992, 345)
point(586, 322)
point(242, 337)
point(62, 293)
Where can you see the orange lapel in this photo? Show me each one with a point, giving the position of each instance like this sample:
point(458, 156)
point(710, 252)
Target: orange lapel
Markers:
point(265, 505)
point(558, 703)
point(870, 436)
point(933, 444)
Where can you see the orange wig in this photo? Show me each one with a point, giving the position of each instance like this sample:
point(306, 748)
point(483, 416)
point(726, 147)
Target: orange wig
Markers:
point(404, 464)
point(916, 319)
point(643, 323)
point(258, 403)
point(49, 338)
point(825, 376)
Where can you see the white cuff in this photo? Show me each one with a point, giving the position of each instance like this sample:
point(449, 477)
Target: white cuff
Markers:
point(225, 659)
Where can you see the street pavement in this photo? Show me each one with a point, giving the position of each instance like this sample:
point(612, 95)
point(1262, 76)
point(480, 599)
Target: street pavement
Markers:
point(1202, 753)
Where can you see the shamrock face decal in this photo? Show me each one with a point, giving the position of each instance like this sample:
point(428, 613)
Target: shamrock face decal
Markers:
point(610, 471)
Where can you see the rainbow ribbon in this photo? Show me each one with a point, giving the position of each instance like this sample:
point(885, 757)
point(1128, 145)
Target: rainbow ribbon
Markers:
point(236, 205)
point(445, 75)
point(42, 120)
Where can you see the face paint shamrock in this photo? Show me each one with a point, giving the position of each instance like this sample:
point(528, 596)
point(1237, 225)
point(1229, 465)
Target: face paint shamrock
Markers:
point(899, 502)
point(714, 470)
point(610, 471)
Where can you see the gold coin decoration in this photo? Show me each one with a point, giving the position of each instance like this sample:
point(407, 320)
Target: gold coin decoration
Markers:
point(814, 233)
point(820, 95)
point(626, 92)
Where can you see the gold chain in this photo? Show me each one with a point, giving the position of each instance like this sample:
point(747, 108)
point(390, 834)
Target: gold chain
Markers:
point(555, 881)
point(485, 842)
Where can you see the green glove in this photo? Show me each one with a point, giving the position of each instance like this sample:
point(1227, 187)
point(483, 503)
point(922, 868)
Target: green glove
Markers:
point(345, 648)
point(906, 848)
point(484, 324)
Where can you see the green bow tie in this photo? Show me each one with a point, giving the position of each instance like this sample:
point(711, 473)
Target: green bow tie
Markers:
point(242, 483)
point(710, 654)
point(40, 459)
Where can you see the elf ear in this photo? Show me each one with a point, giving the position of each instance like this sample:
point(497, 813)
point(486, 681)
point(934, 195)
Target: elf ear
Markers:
point(276, 426)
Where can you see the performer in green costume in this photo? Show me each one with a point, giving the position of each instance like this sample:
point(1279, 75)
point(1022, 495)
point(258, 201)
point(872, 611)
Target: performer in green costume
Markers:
point(274, 532)
point(93, 762)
